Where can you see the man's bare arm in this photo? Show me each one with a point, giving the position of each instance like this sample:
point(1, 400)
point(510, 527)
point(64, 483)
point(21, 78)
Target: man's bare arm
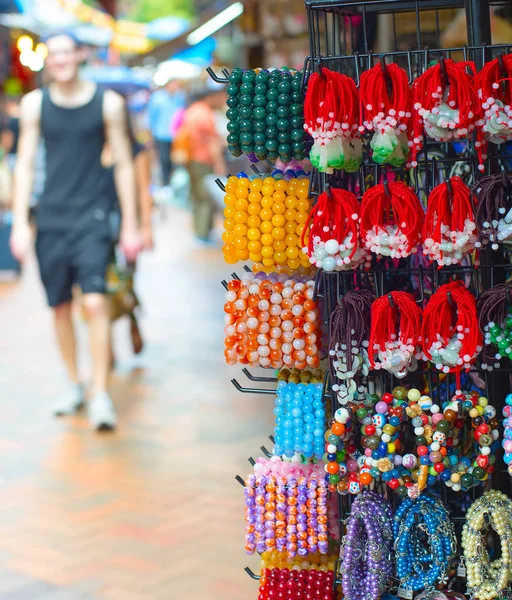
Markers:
point(116, 129)
point(30, 117)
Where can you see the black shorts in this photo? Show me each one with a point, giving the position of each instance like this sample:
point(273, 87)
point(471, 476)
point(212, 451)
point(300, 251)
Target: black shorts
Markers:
point(73, 257)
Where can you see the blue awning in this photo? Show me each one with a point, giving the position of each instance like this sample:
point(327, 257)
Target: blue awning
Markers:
point(11, 6)
point(201, 54)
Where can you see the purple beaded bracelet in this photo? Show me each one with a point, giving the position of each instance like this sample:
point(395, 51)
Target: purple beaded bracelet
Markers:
point(366, 551)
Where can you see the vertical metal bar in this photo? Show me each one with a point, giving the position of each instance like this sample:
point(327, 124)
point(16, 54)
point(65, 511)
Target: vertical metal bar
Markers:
point(418, 25)
point(478, 23)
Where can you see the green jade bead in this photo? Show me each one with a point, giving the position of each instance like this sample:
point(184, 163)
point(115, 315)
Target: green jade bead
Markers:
point(259, 113)
point(246, 139)
point(259, 138)
point(246, 100)
point(282, 112)
point(273, 107)
point(260, 150)
point(272, 94)
point(260, 100)
point(235, 151)
point(232, 101)
point(271, 133)
point(245, 112)
point(478, 473)
point(361, 413)
point(233, 127)
point(249, 76)
point(283, 100)
point(283, 137)
point(232, 139)
point(443, 426)
point(261, 77)
point(297, 135)
point(233, 89)
point(284, 150)
point(236, 75)
point(260, 88)
point(334, 479)
point(467, 480)
point(232, 114)
point(271, 119)
point(283, 124)
point(247, 149)
point(271, 145)
point(245, 125)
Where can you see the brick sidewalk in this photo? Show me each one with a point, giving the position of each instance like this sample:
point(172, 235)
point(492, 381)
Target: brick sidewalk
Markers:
point(152, 511)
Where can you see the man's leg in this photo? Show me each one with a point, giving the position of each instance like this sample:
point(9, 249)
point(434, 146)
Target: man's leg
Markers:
point(98, 319)
point(53, 257)
point(101, 411)
point(66, 339)
point(73, 399)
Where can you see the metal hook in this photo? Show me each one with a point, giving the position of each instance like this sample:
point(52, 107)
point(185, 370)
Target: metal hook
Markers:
point(266, 452)
point(387, 78)
point(252, 377)
point(508, 295)
point(449, 297)
point(220, 184)
point(251, 574)
point(391, 300)
point(251, 460)
point(449, 188)
point(240, 480)
point(444, 72)
point(224, 284)
point(251, 390)
point(386, 188)
point(256, 170)
point(215, 77)
point(356, 59)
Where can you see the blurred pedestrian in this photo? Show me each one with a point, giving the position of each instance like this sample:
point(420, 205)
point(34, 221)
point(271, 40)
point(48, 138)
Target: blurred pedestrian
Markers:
point(206, 148)
point(120, 276)
point(164, 106)
point(75, 118)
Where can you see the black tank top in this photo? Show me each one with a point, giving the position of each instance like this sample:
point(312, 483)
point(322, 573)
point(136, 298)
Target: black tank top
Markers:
point(73, 197)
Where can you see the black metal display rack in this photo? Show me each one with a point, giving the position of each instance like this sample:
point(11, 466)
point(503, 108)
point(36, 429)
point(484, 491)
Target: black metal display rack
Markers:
point(341, 34)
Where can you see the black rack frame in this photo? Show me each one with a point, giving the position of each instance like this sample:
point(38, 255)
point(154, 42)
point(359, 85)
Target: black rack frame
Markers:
point(333, 45)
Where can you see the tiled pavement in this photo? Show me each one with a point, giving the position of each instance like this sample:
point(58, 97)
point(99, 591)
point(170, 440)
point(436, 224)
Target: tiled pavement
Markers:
point(152, 511)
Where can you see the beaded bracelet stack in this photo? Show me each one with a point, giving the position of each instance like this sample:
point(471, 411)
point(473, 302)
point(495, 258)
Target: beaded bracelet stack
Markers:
point(300, 421)
point(422, 564)
point(264, 221)
point(507, 433)
point(292, 584)
point(266, 115)
point(271, 323)
point(488, 579)
point(366, 551)
point(290, 513)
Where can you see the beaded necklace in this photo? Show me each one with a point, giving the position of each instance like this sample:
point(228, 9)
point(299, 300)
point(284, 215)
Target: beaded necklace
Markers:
point(391, 220)
point(386, 106)
point(493, 213)
point(394, 335)
point(449, 231)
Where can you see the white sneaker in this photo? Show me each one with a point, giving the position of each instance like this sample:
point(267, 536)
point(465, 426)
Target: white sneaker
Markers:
point(101, 412)
point(70, 402)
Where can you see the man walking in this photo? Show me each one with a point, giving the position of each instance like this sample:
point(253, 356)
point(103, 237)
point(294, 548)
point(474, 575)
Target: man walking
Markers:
point(165, 105)
point(73, 246)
